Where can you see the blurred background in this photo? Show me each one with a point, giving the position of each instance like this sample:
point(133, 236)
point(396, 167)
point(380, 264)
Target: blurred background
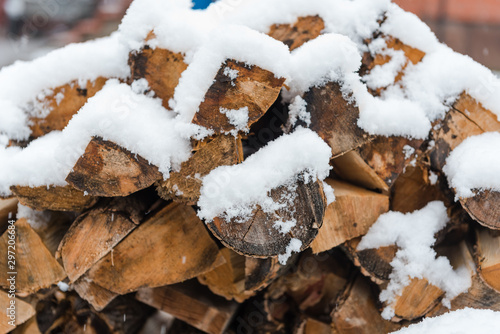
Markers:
point(30, 28)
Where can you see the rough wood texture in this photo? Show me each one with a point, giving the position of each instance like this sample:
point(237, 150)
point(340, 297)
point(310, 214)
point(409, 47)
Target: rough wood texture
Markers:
point(23, 312)
point(258, 237)
point(416, 300)
point(351, 215)
point(484, 208)
point(160, 67)
point(357, 312)
point(95, 295)
point(64, 198)
point(487, 257)
point(35, 266)
point(254, 88)
point(305, 29)
point(334, 119)
point(160, 251)
point(185, 185)
point(107, 170)
point(193, 304)
point(259, 273)
point(8, 210)
point(63, 103)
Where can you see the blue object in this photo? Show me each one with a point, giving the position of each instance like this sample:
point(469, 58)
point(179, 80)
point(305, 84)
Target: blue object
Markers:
point(201, 4)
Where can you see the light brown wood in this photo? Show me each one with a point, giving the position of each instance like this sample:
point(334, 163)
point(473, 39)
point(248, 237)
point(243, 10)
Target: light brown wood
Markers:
point(306, 28)
point(95, 295)
point(54, 198)
point(487, 257)
point(20, 310)
point(416, 300)
point(185, 185)
point(160, 251)
point(351, 215)
point(193, 304)
point(108, 170)
point(313, 326)
point(64, 102)
point(35, 266)
point(254, 88)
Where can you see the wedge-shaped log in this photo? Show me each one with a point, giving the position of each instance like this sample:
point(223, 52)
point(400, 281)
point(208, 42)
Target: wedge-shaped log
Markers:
point(107, 170)
point(377, 164)
point(335, 119)
point(35, 266)
point(185, 185)
point(94, 294)
point(357, 311)
point(355, 209)
point(306, 28)
point(487, 257)
point(160, 67)
point(55, 198)
point(252, 87)
point(259, 237)
point(192, 303)
point(160, 251)
point(63, 103)
point(19, 313)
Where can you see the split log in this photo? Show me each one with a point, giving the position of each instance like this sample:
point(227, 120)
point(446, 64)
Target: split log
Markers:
point(306, 28)
point(8, 210)
point(51, 226)
point(185, 185)
point(22, 312)
point(64, 102)
point(53, 198)
point(313, 326)
point(36, 268)
point(258, 237)
point(158, 252)
point(191, 303)
point(377, 164)
point(487, 257)
point(108, 170)
point(351, 215)
point(94, 294)
point(254, 88)
point(484, 208)
point(160, 67)
point(334, 119)
point(259, 273)
point(357, 312)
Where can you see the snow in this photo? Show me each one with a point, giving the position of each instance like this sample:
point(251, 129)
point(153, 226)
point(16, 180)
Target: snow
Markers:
point(475, 165)
point(235, 191)
point(238, 118)
point(37, 219)
point(413, 233)
point(463, 321)
point(63, 286)
point(297, 111)
point(293, 246)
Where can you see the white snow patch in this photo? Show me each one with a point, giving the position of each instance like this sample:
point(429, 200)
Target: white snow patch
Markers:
point(37, 219)
point(238, 118)
point(298, 111)
point(475, 165)
point(293, 246)
point(413, 233)
point(63, 286)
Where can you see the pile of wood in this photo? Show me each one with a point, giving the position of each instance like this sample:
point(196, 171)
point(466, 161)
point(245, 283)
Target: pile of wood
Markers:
point(129, 243)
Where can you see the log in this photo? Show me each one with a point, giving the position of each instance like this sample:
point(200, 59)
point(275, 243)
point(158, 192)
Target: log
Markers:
point(357, 312)
point(487, 258)
point(56, 198)
point(107, 170)
point(158, 252)
point(313, 326)
point(258, 237)
point(484, 208)
point(22, 313)
point(185, 184)
point(64, 102)
point(351, 215)
point(192, 303)
point(51, 226)
point(259, 273)
point(254, 88)
point(94, 294)
point(160, 67)
point(8, 210)
point(35, 266)
point(334, 119)
point(306, 28)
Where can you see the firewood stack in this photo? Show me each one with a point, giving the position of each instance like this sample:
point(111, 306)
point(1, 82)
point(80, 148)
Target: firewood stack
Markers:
point(129, 244)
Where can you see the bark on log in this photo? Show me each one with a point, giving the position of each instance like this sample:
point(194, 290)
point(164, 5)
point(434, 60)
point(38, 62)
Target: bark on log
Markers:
point(158, 252)
point(306, 28)
point(55, 198)
point(191, 303)
point(351, 215)
point(107, 170)
point(254, 88)
point(35, 266)
point(185, 185)
point(258, 237)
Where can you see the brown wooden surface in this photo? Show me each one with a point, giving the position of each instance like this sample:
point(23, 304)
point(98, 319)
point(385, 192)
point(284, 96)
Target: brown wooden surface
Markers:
point(94, 294)
point(487, 257)
point(254, 88)
point(54, 198)
point(185, 185)
point(258, 237)
point(306, 28)
point(351, 215)
point(107, 170)
point(23, 311)
point(484, 208)
point(417, 299)
point(169, 247)
point(8, 210)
